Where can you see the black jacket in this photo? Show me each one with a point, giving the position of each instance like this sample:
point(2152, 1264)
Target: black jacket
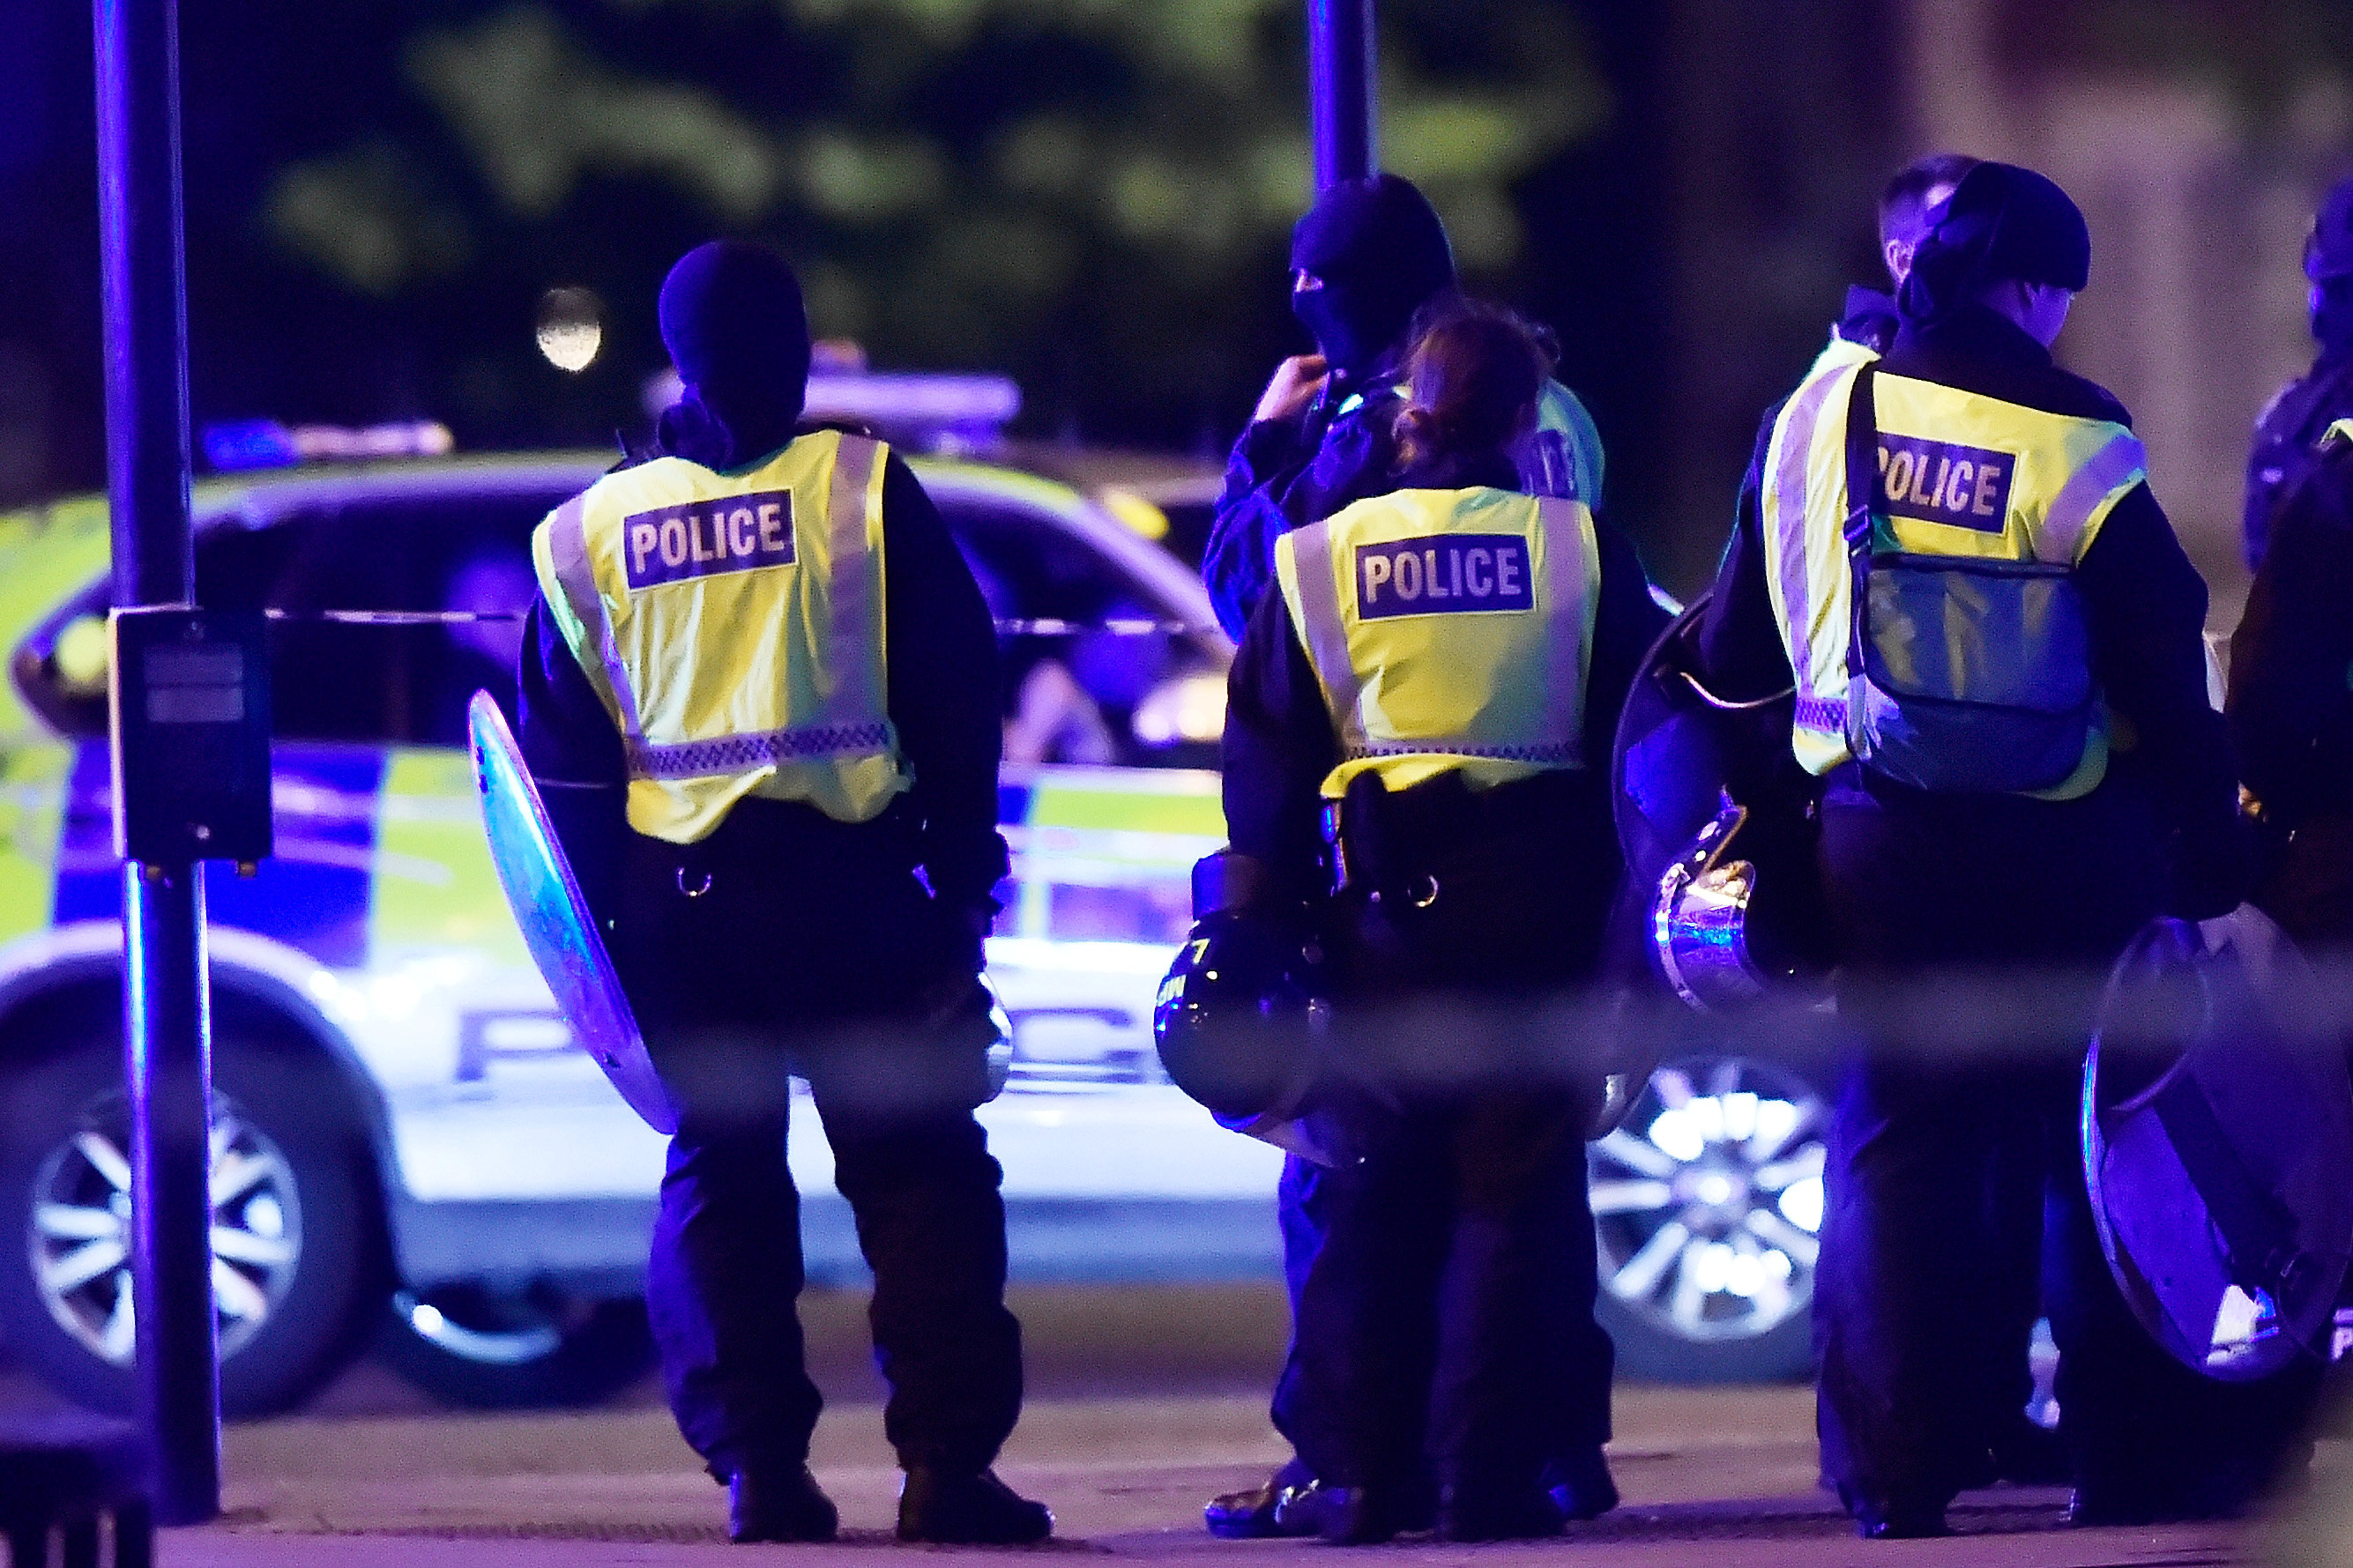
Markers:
point(940, 668)
point(2287, 434)
point(2290, 708)
point(1279, 743)
point(2145, 603)
point(1287, 473)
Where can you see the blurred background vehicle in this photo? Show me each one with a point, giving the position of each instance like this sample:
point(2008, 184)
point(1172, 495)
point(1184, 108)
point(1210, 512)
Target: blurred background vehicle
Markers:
point(402, 1116)
point(408, 1148)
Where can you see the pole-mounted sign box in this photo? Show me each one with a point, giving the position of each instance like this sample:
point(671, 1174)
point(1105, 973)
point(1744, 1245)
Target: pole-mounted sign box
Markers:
point(191, 736)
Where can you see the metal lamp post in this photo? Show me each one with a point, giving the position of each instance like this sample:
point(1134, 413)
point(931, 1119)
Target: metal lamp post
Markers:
point(166, 1011)
point(1340, 55)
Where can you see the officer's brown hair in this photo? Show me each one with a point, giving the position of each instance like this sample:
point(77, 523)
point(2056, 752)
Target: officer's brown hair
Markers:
point(1473, 374)
point(1904, 200)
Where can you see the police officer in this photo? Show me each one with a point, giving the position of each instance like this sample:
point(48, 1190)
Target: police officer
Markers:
point(2291, 706)
point(2009, 1289)
point(1905, 203)
point(1368, 256)
point(1438, 670)
point(1365, 258)
point(750, 774)
point(2010, 804)
point(2288, 431)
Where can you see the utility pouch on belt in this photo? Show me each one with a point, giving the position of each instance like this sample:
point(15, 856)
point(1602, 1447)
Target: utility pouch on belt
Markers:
point(1386, 840)
point(1965, 674)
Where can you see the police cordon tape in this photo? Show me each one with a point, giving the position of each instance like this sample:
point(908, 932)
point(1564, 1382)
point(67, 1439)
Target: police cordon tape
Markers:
point(1030, 626)
point(1955, 1020)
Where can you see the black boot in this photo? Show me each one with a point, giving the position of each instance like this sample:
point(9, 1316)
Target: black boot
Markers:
point(1266, 1512)
point(1900, 1521)
point(1351, 1516)
point(1580, 1484)
point(961, 1510)
point(1894, 1519)
point(1476, 1513)
point(779, 1505)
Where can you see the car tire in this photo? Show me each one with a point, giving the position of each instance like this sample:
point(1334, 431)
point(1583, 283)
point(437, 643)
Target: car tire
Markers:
point(1707, 1206)
point(488, 1350)
point(295, 1244)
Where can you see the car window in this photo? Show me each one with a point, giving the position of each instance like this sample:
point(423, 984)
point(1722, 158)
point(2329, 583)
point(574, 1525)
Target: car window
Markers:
point(1086, 692)
point(396, 683)
point(1072, 690)
point(329, 681)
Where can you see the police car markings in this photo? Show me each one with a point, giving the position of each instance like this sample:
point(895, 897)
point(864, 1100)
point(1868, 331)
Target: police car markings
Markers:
point(47, 557)
point(1109, 846)
point(430, 816)
point(32, 813)
point(314, 899)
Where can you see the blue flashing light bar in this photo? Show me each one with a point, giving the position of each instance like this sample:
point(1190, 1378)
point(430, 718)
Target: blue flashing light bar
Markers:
point(244, 444)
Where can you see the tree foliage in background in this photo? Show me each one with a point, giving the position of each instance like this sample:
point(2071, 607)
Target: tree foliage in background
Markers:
point(1094, 194)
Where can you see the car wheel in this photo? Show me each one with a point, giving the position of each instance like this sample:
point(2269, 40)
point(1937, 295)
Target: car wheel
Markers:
point(291, 1233)
point(1707, 1205)
point(496, 1350)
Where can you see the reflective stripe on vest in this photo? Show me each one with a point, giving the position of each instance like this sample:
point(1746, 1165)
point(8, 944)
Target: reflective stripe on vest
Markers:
point(1807, 575)
point(733, 624)
point(1449, 630)
point(1961, 476)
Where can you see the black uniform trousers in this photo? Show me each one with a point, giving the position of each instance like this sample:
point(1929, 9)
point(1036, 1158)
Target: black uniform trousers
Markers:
point(2004, 889)
point(1444, 1326)
point(788, 943)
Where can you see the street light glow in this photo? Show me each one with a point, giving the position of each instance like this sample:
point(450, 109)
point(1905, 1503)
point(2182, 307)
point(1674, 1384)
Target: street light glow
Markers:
point(571, 327)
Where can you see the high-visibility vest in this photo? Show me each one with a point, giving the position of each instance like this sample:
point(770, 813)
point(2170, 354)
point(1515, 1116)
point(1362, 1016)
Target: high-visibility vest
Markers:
point(733, 624)
point(2014, 495)
point(1449, 630)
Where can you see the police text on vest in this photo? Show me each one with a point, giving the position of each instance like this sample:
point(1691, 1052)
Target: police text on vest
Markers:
point(708, 538)
point(1938, 482)
point(1442, 573)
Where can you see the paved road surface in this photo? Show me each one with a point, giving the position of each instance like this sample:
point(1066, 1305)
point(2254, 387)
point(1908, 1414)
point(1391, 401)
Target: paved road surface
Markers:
point(1710, 1476)
point(1148, 1404)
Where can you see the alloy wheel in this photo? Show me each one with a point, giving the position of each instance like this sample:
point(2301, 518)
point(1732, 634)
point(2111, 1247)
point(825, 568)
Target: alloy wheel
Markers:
point(81, 1233)
point(1707, 1199)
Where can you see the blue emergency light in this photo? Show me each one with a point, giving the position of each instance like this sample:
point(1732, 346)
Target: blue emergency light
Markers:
point(241, 444)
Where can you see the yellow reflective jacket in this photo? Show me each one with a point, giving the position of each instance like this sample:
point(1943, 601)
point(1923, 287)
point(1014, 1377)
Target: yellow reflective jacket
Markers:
point(1977, 659)
point(733, 624)
point(1449, 630)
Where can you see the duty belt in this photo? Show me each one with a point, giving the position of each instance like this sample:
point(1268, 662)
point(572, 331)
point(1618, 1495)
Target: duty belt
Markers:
point(1386, 844)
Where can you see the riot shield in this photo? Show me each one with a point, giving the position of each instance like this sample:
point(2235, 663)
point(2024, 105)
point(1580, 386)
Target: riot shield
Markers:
point(556, 925)
point(2218, 1147)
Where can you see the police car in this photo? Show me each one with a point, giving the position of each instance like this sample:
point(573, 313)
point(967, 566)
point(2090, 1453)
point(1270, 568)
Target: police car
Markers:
point(401, 1116)
point(400, 1112)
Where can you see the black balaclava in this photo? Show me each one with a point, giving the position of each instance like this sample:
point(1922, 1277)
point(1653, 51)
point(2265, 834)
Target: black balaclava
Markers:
point(1382, 254)
point(2001, 224)
point(733, 319)
point(2328, 263)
